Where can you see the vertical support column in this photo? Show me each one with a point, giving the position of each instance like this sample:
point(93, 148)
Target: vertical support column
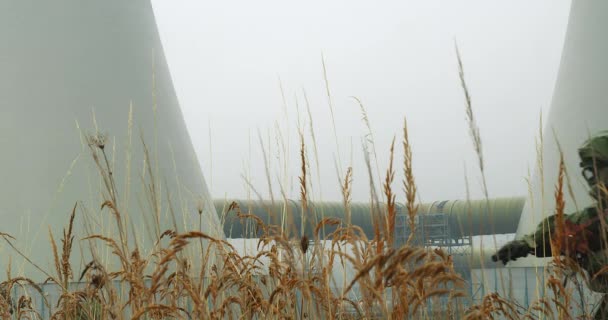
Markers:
point(526, 295)
point(495, 280)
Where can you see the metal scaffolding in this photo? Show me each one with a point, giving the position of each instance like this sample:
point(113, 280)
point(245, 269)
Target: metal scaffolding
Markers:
point(431, 230)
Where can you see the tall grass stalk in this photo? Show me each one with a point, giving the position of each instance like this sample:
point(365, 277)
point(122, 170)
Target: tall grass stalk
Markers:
point(478, 147)
point(409, 184)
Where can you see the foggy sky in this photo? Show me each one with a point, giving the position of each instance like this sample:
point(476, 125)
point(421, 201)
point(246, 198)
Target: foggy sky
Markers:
point(397, 57)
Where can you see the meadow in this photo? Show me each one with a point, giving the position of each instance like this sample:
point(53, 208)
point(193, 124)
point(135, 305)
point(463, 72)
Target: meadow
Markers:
point(189, 274)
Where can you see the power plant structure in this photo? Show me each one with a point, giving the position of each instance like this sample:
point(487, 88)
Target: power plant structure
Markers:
point(464, 218)
point(579, 109)
point(449, 225)
point(75, 72)
point(81, 78)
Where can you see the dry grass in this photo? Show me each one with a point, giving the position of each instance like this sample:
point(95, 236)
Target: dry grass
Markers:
point(409, 184)
point(286, 279)
point(189, 274)
point(283, 280)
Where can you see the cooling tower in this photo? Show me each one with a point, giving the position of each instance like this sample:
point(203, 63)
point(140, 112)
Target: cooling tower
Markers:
point(579, 108)
point(71, 68)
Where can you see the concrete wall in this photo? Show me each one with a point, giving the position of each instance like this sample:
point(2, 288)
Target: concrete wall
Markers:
point(579, 109)
point(69, 68)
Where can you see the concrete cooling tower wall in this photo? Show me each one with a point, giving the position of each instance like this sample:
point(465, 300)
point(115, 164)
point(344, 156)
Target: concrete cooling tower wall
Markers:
point(71, 68)
point(579, 109)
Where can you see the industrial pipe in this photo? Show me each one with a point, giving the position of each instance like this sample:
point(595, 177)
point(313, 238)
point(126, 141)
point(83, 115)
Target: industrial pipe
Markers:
point(465, 218)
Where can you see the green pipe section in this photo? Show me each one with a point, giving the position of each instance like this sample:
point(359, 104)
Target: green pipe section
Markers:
point(465, 218)
point(479, 217)
point(289, 214)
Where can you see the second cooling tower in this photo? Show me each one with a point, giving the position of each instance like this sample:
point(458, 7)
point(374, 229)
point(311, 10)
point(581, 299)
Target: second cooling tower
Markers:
point(579, 109)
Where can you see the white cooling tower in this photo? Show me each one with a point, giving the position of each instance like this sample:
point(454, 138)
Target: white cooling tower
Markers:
point(67, 66)
point(579, 109)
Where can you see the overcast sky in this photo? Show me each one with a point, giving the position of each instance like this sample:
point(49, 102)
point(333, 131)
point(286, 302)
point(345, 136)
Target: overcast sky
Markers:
point(397, 57)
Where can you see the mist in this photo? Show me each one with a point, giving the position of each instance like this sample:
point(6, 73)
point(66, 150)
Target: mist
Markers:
point(244, 70)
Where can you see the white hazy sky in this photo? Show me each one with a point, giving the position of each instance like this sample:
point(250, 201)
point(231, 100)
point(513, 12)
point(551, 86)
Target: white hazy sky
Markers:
point(226, 58)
